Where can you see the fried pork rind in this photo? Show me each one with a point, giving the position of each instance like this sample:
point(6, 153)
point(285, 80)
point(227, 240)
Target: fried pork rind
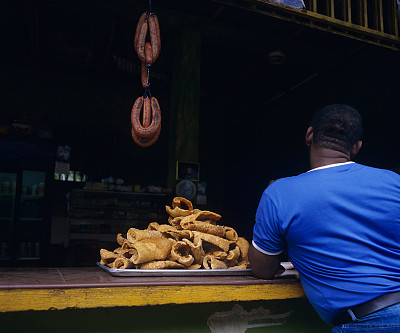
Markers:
point(231, 234)
point(192, 240)
point(177, 212)
point(233, 256)
point(241, 265)
point(243, 246)
point(210, 262)
point(203, 226)
point(175, 222)
point(120, 239)
point(162, 264)
point(169, 231)
point(182, 203)
point(150, 249)
point(220, 242)
point(207, 215)
point(180, 252)
point(133, 235)
point(108, 256)
point(196, 248)
point(122, 263)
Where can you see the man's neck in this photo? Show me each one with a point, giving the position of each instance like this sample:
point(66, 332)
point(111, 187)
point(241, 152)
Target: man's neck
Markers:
point(322, 156)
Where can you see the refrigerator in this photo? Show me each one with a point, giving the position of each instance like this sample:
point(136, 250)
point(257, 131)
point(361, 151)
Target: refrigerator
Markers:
point(25, 206)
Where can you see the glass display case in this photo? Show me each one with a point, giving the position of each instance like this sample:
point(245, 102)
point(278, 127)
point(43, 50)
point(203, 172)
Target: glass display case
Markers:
point(24, 217)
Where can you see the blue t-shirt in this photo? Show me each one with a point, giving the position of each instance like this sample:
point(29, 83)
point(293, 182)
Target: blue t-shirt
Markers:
point(340, 226)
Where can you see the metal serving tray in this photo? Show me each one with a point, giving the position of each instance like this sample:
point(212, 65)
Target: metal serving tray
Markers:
point(175, 272)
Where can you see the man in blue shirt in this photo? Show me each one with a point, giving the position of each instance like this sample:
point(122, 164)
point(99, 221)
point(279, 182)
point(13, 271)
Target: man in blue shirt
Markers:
point(339, 223)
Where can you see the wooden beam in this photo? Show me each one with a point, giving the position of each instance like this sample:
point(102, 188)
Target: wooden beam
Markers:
point(359, 31)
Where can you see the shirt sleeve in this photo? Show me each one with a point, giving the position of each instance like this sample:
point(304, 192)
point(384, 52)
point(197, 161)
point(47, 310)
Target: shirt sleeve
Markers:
point(267, 235)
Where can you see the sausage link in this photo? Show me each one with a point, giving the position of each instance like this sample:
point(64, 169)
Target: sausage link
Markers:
point(146, 113)
point(155, 36)
point(151, 129)
point(148, 53)
point(144, 74)
point(137, 106)
point(141, 42)
point(145, 142)
point(138, 28)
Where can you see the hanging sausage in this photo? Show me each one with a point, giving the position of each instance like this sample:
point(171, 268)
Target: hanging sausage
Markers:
point(146, 112)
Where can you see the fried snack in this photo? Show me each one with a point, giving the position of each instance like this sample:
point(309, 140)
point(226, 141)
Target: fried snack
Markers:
point(159, 264)
point(233, 256)
point(122, 263)
point(120, 239)
point(191, 240)
point(125, 253)
point(177, 212)
point(180, 252)
point(127, 245)
point(182, 203)
point(241, 265)
point(207, 215)
point(222, 243)
point(210, 262)
point(150, 249)
point(107, 256)
point(231, 234)
point(221, 255)
point(118, 250)
point(243, 246)
point(103, 262)
point(175, 222)
point(133, 235)
point(169, 231)
point(196, 248)
point(203, 226)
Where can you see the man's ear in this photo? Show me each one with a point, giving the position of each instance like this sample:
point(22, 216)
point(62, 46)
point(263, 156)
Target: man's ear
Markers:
point(356, 148)
point(309, 136)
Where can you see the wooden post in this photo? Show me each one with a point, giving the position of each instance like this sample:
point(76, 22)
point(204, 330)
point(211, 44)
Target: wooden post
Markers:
point(185, 100)
point(348, 11)
point(365, 13)
point(314, 7)
point(380, 10)
point(394, 18)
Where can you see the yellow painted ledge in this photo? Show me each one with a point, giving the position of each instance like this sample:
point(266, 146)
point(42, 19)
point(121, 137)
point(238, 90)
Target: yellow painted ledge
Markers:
point(63, 298)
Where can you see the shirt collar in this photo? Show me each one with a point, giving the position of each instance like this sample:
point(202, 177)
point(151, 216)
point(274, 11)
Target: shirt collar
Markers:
point(331, 165)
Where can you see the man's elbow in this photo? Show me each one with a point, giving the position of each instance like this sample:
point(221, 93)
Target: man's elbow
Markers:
point(263, 266)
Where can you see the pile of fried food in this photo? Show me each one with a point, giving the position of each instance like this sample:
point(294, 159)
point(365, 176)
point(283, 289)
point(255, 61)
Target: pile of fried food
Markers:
point(191, 240)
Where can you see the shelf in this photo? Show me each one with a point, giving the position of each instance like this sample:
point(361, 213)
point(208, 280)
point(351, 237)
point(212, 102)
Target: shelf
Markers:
point(91, 221)
point(28, 258)
point(6, 218)
point(100, 237)
point(34, 219)
point(144, 194)
point(31, 197)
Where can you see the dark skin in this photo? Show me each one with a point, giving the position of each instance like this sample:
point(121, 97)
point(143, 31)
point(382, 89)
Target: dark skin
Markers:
point(266, 266)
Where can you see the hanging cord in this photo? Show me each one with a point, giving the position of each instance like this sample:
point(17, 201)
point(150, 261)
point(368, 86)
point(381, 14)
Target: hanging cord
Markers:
point(147, 92)
point(149, 9)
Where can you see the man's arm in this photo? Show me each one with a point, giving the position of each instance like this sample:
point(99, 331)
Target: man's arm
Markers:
point(264, 266)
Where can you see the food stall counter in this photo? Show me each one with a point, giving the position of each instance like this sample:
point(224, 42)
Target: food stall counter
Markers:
point(24, 289)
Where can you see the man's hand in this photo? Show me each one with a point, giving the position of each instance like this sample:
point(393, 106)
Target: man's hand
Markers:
point(264, 266)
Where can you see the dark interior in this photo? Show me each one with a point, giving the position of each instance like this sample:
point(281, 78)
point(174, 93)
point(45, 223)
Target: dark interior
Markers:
point(71, 65)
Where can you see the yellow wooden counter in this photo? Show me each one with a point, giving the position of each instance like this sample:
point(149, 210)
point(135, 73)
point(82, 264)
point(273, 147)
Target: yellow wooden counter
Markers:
point(90, 300)
point(24, 289)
